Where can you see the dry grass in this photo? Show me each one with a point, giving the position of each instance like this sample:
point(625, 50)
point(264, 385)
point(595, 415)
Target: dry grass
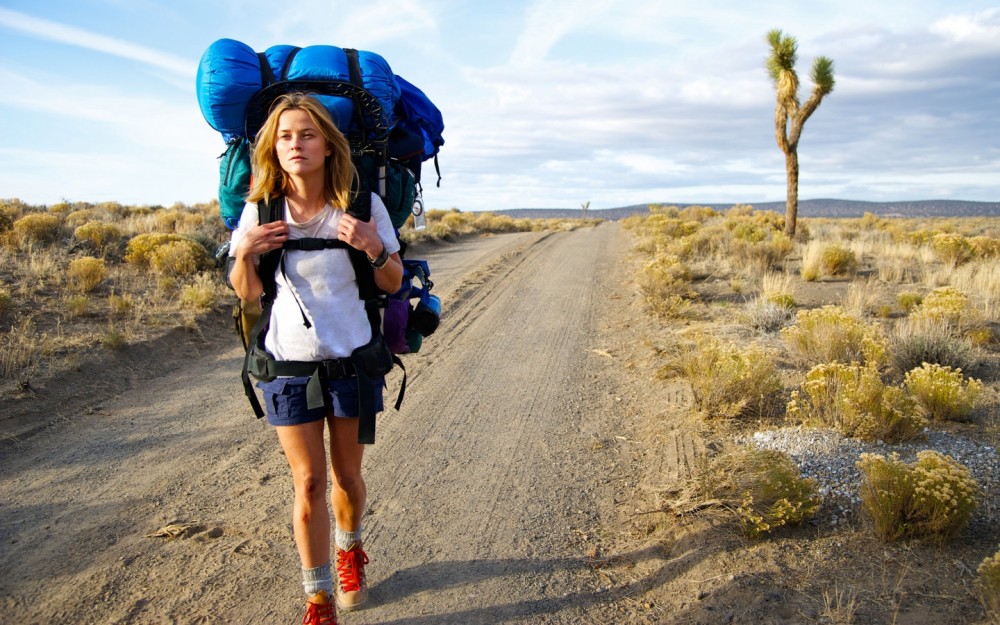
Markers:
point(80, 276)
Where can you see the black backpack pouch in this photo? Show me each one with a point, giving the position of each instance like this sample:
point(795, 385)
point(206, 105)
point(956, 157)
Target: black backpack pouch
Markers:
point(371, 362)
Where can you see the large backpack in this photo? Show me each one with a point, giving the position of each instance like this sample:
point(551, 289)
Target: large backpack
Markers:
point(392, 128)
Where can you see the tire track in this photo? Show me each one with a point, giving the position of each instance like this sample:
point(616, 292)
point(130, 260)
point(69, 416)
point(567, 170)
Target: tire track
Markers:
point(453, 476)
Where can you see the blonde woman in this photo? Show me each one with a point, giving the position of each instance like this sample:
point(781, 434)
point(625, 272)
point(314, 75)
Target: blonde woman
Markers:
point(316, 316)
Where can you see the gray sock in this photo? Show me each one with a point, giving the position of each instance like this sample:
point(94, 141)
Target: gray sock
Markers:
point(346, 539)
point(317, 579)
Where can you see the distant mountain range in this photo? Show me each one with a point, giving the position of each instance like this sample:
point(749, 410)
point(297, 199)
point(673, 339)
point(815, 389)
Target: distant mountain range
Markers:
point(807, 208)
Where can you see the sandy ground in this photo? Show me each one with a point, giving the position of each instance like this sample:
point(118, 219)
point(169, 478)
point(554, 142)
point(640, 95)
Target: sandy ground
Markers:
point(488, 490)
point(523, 481)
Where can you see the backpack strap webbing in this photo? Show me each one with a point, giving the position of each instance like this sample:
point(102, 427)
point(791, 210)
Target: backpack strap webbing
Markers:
point(266, 213)
point(368, 291)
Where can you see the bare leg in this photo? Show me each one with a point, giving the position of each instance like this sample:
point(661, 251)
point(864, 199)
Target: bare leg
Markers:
point(348, 495)
point(306, 454)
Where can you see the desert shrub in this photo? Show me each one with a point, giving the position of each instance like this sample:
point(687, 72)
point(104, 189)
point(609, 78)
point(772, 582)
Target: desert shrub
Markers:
point(761, 255)
point(697, 213)
point(77, 305)
point(830, 334)
point(764, 488)
point(79, 217)
point(836, 260)
point(826, 259)
point(987, 586)
point(728, 381)
point(10, 210)
point(490, 222)
point(664, 283)
point(140, 248)
point(768, 314)
point(908, 300)
point(940, 391)
point(121, 304)
point(87, 273)
point(113, 339)
point(98, 234)
point(179, 258)
point(933, 498)
point(665, 227)
point(203, 294)
point(40, 228)
point(948, 305)
point(984, 247)
point(916, 341)
point(748, 231)
point(951, 248)
point(776, 285)
point(709, 241)
point(854, 400)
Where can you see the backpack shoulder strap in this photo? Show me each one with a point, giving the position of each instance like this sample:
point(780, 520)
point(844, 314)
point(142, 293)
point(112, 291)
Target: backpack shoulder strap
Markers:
point(267, 212)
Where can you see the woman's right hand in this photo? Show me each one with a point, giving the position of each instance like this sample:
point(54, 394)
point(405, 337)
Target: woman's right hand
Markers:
point(258, 240)
point(262, 239)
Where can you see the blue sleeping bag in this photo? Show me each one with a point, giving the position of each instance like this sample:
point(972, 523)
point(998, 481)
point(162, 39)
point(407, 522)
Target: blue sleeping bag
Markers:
point(235, 86)
point(231, 73)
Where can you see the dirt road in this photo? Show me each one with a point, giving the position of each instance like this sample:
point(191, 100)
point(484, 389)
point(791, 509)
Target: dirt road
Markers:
point(490, 492)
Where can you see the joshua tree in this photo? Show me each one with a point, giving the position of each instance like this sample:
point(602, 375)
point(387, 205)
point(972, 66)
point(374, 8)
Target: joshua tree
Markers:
point(585, 206)
point(781, 68)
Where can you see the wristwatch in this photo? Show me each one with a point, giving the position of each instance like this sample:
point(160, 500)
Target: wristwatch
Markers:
point(379, 261)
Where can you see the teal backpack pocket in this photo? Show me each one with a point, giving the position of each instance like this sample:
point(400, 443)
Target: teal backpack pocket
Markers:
point(234, 181)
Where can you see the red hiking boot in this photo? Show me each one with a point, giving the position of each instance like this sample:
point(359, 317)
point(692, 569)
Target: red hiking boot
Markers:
point(352, 589)
point(320, 610)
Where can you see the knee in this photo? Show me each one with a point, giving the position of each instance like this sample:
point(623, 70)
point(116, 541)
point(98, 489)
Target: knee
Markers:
point(311, 487)
point(350, 482)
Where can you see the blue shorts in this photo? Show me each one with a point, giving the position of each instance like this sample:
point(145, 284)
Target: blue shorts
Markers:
point(286, 402)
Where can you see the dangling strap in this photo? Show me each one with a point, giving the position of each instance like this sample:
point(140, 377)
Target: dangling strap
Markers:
point(266, 213)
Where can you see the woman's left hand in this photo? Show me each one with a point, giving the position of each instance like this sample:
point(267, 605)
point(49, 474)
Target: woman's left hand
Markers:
point(361, 235)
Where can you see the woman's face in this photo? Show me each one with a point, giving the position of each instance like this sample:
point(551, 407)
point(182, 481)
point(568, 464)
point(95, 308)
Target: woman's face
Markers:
point(301, 148)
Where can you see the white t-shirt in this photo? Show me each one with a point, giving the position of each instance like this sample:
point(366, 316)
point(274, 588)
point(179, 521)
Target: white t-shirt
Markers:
point(323, 282)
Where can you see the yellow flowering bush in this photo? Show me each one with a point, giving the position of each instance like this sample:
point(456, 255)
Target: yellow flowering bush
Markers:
point(764, 488)
point(98, 234)
point(934, 498)
point(852, 399)
point(988, 586)
point(664, 284)
point(728, 381)
point(951, 248)
point(140, 248)
point(39, 228)
point(836, 260)
point(947, 305)
point(940, 392)
point(87, 272)
point(909, 300)
point(180, 258)
point(830, 334)
point(985, 247)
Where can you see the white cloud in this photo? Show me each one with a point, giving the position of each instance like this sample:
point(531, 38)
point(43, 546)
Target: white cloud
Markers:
point(978, 28)
point(70, 35)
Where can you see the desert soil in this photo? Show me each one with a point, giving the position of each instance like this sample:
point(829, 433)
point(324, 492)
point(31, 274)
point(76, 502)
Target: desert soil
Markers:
point(523, 480)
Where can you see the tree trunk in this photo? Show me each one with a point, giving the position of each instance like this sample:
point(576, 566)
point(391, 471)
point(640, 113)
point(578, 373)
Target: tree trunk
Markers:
point(792, 199)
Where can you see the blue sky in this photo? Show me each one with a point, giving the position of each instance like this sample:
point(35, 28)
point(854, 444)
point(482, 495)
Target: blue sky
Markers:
point(547, 103)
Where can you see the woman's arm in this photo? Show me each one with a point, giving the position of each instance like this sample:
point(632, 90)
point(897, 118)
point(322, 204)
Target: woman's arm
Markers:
point(257, 241)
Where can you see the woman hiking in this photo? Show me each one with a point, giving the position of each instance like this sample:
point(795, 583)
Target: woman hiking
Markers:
point(317, 316)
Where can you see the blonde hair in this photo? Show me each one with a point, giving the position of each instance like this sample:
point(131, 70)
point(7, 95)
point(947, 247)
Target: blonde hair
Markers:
point(269, 179)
